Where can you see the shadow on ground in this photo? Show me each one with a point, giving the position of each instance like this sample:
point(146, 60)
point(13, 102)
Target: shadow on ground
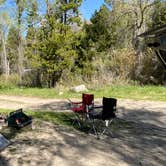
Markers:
point(144, 133)
point(140, 139)
point(53, 106)
point(3, 161)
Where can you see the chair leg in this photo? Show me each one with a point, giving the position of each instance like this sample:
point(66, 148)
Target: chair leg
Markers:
point(106, 128)
point(95, 130)
point(93, 127)
point(77, 120)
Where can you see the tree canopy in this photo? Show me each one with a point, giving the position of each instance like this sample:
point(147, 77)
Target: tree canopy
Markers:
point(47, 42)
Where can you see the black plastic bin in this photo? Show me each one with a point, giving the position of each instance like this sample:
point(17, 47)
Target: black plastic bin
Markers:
point(18, 119)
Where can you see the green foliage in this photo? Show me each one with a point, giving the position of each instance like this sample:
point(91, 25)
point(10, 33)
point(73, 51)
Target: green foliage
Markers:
point(2, 1)
point(54, 117)
point(12, 44)
point(61, 118)
point(52, 50)
point(121, 63)
point(97, 36)
point(57, 50)
point(100, 30)
point(32, 15)
point(153, 72)
point(123, 18)
point(68, 11)
point(10, 82)
point(159, 14)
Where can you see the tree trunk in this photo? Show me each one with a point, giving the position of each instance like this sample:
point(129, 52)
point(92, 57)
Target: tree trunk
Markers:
point(20, 60)
point(139, 28)
point(4, 62)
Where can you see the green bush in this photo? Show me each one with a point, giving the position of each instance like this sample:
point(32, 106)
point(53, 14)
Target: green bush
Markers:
point(113, 67)
point(151, 70)
point(9, 82)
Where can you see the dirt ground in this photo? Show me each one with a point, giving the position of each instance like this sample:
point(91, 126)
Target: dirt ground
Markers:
point(139, 137)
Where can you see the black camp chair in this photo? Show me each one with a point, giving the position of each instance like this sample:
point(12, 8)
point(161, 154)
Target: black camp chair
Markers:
point(106, 115)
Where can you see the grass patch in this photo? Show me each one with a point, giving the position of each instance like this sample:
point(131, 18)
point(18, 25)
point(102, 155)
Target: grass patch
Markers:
point(57, 118)
point(125, 92)
point(134, 92)
point(63, 118)
point(4, 112)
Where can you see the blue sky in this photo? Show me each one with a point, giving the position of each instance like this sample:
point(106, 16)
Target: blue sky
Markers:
point(89, 6)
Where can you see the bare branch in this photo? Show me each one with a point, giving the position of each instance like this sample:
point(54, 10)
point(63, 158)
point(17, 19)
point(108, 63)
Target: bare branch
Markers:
point(143, 9)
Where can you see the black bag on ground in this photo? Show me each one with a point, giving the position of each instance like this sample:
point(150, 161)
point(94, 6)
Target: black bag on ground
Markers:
point(18, 119)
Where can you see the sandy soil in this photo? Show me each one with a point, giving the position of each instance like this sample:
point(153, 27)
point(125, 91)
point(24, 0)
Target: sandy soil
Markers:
point(140, 137)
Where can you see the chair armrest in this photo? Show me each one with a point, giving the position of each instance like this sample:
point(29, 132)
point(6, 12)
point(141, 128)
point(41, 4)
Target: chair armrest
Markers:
point(95, 108)
point(92, 107)
point(99, 106)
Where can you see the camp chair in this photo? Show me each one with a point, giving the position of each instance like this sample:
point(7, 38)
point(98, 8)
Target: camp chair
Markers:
point(107, 114)
point(82, 108)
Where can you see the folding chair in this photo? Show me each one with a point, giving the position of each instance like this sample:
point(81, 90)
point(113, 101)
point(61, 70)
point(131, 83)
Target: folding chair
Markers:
point(107, 115)
point(82, 108)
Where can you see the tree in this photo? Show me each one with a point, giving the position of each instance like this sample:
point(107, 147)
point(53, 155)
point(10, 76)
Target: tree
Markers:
point(4, 61)
point(100, 30)
point(138, 15)
point(68, 11)
point(33, 19)
point(56, 41)
point(3, 46)
point(137, 12)
point(96, 36)
point(20, 9)
point(56, 52)
point(12, 45)
point(159, 14)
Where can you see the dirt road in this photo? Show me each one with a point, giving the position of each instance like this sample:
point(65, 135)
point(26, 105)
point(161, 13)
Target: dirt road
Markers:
point(130, 109)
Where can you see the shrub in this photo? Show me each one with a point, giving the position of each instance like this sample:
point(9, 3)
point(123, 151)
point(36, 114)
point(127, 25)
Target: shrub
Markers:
point(9, 82)
point(151, 70)
point(114, 67)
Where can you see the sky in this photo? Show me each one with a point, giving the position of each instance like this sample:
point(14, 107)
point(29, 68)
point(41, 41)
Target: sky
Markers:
point(88, 7)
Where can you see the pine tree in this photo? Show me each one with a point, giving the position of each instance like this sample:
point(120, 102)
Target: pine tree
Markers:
point(68, 11)
point(56, 41)
point(100, 30)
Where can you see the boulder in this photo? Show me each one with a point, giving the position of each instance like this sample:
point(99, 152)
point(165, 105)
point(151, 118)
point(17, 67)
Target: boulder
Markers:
point(79, 88)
